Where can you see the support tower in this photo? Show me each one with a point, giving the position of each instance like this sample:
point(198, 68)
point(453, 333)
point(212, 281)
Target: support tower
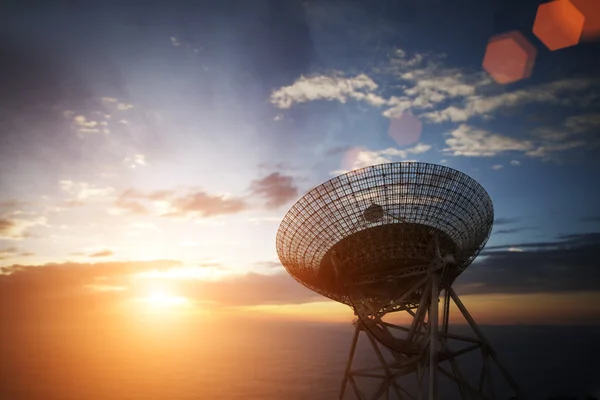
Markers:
point(389, 241)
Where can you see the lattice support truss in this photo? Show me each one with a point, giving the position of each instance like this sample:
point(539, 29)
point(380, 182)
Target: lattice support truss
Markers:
point(421, 352)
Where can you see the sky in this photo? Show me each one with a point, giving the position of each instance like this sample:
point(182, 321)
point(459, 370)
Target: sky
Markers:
point(148, 152)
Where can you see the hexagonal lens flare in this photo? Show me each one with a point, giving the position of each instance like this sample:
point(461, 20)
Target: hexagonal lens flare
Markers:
point(558, 24)
point(509, 57)
point(591, 12)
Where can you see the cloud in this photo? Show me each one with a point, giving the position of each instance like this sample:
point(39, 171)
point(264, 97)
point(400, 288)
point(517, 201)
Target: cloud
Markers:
point(275, 287)
point(569, 264)
point(470, 141)
point(83, 192)
point(322, 87)
point(58, 291)
point(591, 218)
point(102, 253)
point(81, 121)
point(54, 278)
point(434, 91)
point(512, 230)
point(576, 131)
point(479, 105)
point(11, 205)
point(124, 205)
point(84, 127)
point(206, 205)
point(497, 166)
point(8, 252)
point(437, 93)
point(545, 143)
point(134, 161)
point(69, 291)
point(546, 151)
point(12, 252)
point(124, 106)
point(574, 125)
point(98, 121)
point(269, 265)
point(6, 225)
point(360, 158)
point(16, 225)
point(177, 204)
point(583, 122)
point(428, 83)
point(276, 189)
point(115, 103)
point(505, 221)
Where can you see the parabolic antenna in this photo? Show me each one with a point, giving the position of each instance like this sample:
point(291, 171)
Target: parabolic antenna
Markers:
point(390, 238)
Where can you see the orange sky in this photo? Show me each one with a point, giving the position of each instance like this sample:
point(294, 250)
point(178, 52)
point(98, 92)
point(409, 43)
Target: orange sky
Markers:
point(155, 291)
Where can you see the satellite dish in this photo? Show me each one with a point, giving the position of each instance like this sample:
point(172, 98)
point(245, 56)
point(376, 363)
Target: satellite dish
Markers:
point(440, 219)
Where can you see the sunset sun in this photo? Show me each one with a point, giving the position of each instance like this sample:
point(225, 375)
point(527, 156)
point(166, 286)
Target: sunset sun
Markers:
point(160, 299)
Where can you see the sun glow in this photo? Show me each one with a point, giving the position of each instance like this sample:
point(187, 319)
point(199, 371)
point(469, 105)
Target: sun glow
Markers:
point(159, 299)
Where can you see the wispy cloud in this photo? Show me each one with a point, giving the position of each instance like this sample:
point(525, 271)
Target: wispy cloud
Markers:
point(98, 121)
point(566, 265)
point(575, 132)
point(480, 105)
point(321, 87)
point(135, 161)
point(430, 89)
point(428, 83)
point(8, 252)
point(512, 230)
point(206, 205)
point(102, 253)
point(474, 142)
point(124, 106)
point(16, 225)
point(360, 158)
point(83, 192)
point(505, 221)
point(470, 141)
point(84, 126)
point(65, 289)
point(127, 205)
point(591, 218)
point(276, 189)
point(177, 203)
point(548, 150)
point(69, 288)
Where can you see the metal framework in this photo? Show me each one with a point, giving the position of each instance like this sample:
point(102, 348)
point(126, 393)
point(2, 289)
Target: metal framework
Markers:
point(421, 351)
point(388, 239)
